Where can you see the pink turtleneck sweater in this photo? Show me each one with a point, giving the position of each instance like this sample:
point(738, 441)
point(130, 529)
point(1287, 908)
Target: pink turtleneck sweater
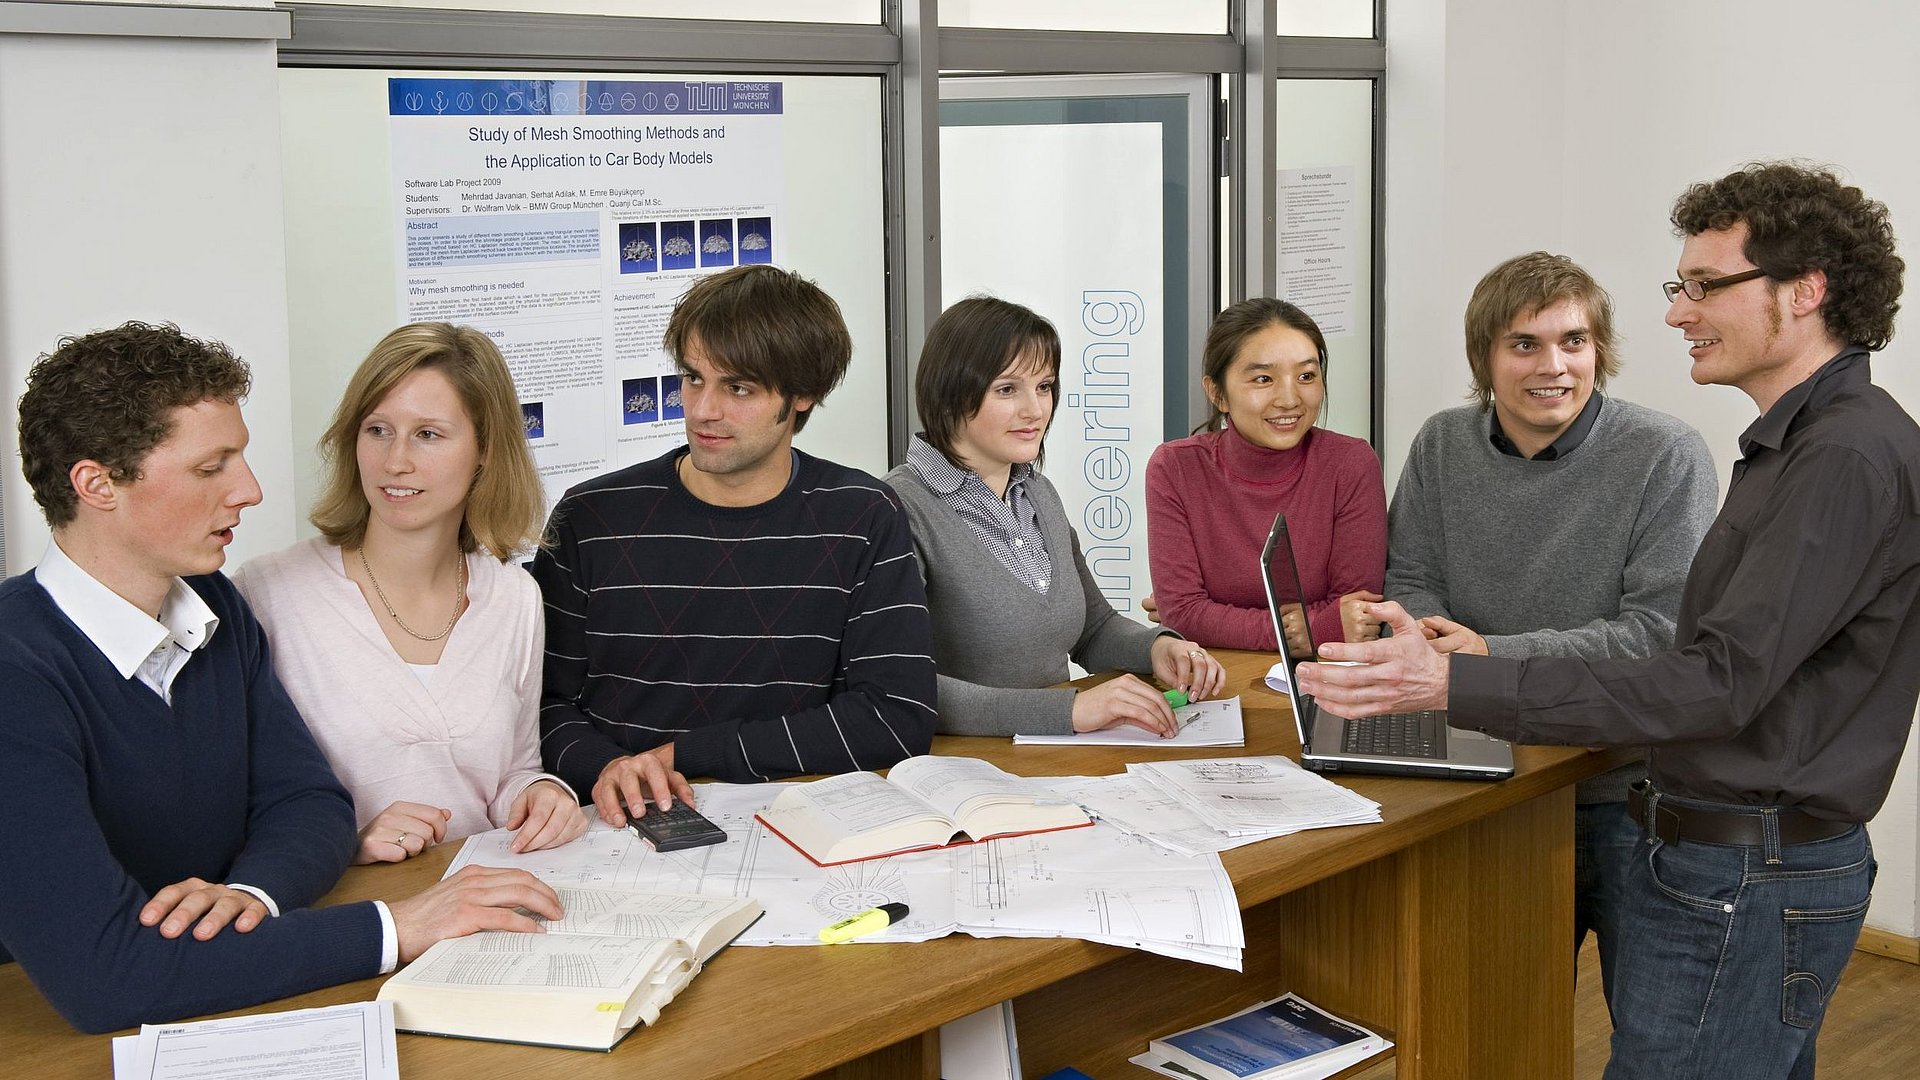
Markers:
point(1211, 499)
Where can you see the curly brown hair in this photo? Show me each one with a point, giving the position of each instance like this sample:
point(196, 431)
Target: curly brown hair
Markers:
point(1800, 218)
point(109, 397)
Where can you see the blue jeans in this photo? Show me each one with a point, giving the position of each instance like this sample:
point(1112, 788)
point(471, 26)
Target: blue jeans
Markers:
point(1726, 961)
point(1605, 841)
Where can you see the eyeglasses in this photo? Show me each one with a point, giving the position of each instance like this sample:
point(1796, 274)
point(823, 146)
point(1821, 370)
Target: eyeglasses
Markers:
point(1697, 289)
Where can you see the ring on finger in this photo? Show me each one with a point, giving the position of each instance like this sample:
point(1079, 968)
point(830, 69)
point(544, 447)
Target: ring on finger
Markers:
point(1196, 655)
point(402, 838)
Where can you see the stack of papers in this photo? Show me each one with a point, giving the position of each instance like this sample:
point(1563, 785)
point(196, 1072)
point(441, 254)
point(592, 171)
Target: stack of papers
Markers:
point(1216, 804)
point(1101, 883)
point(1202, 723)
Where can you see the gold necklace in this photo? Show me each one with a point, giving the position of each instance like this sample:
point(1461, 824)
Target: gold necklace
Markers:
point(459, 600)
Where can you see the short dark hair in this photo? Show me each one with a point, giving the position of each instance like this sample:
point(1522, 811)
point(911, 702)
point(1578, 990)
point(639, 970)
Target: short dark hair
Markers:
point(1800, 218)
point(768, 325)
point(109, 397)
point(1230, 331)
point(1526, 285)
point(967, 348)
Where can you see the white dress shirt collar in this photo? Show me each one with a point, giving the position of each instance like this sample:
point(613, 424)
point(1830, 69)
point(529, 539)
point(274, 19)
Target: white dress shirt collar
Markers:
point(129, 638)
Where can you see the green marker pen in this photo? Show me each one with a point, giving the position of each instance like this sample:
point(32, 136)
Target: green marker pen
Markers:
point(1176, 698)
point(870, 921)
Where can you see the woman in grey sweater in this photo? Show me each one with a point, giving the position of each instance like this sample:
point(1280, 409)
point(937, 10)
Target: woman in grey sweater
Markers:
point(1011, 597)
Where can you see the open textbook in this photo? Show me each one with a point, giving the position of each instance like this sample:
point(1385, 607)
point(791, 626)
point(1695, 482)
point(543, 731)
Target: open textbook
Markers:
point(924, 802)
point(613, 962)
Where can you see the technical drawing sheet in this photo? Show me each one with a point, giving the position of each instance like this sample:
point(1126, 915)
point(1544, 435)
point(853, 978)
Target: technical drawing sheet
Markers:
point(1101, 883)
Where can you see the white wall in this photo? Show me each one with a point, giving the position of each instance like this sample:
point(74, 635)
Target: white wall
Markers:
point(1571, 126)
point(140, 179)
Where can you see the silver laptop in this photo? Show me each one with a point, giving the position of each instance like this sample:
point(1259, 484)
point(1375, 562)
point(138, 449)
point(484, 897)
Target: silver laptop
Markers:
point(1400, 744)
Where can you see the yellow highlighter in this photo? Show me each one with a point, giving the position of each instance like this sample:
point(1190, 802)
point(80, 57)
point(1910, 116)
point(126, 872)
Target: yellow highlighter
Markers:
point(870, 921)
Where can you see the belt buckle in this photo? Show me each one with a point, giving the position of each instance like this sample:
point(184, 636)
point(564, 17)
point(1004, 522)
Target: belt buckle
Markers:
point(1666, 824)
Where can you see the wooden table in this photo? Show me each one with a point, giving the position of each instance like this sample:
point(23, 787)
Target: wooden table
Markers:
point(1449, 926)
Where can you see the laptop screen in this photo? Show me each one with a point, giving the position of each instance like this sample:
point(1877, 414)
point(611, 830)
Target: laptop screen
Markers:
point(1282, 577)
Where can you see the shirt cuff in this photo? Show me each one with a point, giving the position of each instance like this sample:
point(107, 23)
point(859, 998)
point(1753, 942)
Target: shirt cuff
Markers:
point(564, 786)
point(273, 909)
point(389, 939)
point(1483, 693)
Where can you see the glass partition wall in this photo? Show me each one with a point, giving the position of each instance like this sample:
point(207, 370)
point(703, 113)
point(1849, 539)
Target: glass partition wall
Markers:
point(843, 179)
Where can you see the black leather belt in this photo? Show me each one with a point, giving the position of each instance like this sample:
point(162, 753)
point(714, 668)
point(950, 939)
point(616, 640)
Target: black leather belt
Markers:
point(1673, 823)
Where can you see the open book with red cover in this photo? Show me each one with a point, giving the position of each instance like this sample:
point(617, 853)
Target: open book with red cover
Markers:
point(924, 802)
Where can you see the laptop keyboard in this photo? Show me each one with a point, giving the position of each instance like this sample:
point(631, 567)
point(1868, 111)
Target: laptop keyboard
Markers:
point(1418, 735)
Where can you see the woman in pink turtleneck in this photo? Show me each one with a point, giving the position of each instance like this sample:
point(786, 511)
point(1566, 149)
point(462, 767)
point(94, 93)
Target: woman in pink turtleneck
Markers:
point(1211, 497)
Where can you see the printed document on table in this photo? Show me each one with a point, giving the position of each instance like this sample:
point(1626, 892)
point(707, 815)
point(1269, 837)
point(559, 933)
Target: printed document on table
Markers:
point(1097, 883)
point(308, 1044)
point(798, 896)
point(1202, 723)
point(1255, 794)
point(1134, 805)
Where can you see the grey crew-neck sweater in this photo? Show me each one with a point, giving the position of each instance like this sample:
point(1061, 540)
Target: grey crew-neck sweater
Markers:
point(1582, 556)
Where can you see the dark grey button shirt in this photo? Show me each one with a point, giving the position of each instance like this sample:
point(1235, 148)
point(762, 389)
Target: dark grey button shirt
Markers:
point(1567, 443)
point(1797, 653)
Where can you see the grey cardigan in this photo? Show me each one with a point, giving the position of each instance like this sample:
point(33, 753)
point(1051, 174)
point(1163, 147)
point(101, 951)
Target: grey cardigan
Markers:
point(998, 644)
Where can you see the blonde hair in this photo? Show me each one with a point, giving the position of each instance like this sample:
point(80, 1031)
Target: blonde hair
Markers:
point(506, 504)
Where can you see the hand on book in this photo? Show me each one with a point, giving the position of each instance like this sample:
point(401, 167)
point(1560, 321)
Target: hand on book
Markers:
point(626, 784)
point(214, 905)
point(546, 815)
point(1124, 700)
point(401, 831)
point(474, 899)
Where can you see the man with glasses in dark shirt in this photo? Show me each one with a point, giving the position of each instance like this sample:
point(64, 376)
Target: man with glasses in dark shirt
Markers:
point(1777, 720)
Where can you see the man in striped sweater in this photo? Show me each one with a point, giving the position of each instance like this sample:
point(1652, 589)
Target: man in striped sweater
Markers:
point(735, 608)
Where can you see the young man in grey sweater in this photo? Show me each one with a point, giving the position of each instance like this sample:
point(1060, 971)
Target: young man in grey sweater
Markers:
point(1549, 520)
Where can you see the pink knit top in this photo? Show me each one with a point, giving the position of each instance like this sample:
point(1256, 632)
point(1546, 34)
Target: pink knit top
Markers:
point(1211, 499)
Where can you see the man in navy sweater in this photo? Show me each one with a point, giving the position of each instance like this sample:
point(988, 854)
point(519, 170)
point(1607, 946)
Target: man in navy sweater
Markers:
point(173, 817)
point(734, 608)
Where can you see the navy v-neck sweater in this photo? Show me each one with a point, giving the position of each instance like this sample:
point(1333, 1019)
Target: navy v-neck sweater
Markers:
point(109, 793)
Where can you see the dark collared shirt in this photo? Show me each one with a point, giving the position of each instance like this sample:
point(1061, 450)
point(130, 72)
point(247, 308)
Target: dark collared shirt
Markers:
point(1567, 443)
point(1797, 657)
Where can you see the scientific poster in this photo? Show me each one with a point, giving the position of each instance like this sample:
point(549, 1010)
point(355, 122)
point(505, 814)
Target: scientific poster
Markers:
point(564, 218)
point(1081, 245)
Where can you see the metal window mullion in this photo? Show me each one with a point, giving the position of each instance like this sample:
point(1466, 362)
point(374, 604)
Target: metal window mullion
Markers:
point(1256, 271)
point(913, 285)
point(142, 20)
point(398, 36)
point(1055, 52)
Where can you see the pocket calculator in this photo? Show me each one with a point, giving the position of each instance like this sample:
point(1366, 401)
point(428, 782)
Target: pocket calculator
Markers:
point(677, 828)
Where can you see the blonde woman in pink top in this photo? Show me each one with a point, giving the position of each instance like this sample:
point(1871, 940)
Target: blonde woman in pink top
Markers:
point(1211, 497)
point(407, 637)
